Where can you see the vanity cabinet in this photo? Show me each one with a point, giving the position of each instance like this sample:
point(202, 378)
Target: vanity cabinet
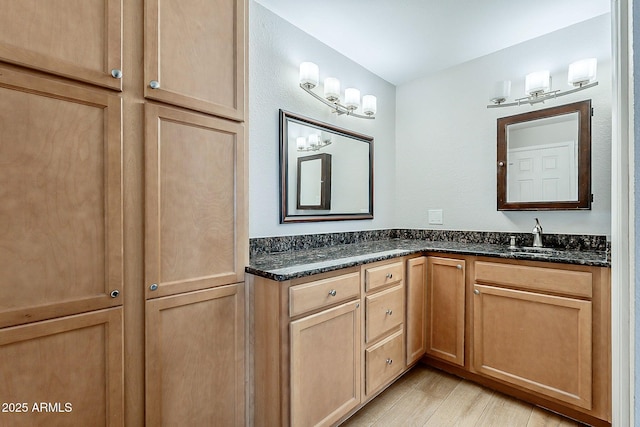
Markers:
point(307, 348)
point(446, 309)
point(544, 328)
point(326, 344)
point(416, 325)
point(539, 331)
point(325, 365)
point(384, 324)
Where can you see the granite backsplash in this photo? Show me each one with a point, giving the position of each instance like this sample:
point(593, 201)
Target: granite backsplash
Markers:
point(278, 244)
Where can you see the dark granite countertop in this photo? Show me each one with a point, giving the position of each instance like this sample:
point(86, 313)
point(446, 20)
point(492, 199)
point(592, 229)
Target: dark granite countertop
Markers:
point(293, 264)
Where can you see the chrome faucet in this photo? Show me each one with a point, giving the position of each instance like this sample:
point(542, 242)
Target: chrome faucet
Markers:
point(537, 235)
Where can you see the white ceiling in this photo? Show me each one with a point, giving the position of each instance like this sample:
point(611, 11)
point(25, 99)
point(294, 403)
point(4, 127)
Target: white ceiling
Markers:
point(401, 40)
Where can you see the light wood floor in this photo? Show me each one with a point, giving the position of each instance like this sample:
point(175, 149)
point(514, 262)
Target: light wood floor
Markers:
point(428, 397)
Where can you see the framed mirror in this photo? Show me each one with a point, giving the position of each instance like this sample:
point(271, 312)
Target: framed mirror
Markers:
point(326, 172)
point(544, 159)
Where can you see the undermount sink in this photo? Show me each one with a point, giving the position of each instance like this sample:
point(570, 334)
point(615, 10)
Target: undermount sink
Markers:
point(533, 250)
point(536, 249)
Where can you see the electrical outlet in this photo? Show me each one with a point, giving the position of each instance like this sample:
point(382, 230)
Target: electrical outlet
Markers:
point(435, 216)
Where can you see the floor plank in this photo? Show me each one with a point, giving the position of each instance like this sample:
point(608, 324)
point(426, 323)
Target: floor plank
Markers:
point(463, 407)
point(426, 397)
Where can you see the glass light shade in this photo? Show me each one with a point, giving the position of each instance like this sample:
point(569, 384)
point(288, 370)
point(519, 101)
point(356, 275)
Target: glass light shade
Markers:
point(352, 98)
point(537, 83)
point(313, 140)
point(309, 73)
point(301, 142)
point(501, 91)
point(369, 105)
point(583, 71)
point(332, 89)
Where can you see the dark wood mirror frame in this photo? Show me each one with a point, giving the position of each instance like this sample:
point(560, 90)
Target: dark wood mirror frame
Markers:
point(583, 108)
point(285, 163)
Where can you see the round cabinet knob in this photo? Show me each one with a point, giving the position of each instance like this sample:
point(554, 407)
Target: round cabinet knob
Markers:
point(389, 276)
point(153, 287)
point(459, 267)
point(154, 84)
point(476, 291)
point(116, 74)
point(114, 293)
point(501, 164)
point(389, 312)
point(333, 292)
point(389, 361)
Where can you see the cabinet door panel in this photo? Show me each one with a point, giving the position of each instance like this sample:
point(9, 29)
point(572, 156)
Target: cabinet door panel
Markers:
point(540, 342)
point(195, 358)
point(325, 365)
point(195, 201)
point(80, 39)
point(445, 309)
point(61, 191)
point(416, 309)
point(74, 365)
point(195, 50)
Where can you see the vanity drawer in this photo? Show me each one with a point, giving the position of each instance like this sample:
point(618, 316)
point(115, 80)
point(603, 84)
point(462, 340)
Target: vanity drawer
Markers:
point(385, 311)
point(553, 280)
point(377, 277)
point(384, 361)
point(322, 293)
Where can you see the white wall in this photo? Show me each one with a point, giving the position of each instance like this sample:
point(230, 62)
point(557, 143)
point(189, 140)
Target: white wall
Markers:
point(446, 137)
point(276, 48)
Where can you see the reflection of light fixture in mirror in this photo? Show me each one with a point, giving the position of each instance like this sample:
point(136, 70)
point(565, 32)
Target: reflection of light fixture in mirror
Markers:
point(581, 75)
point(309, 78)
point(313, 142)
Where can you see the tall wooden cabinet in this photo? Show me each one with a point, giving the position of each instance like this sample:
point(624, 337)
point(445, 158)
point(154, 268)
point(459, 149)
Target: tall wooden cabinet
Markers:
point(61, 256)
point(123, 226)
point(196, 241)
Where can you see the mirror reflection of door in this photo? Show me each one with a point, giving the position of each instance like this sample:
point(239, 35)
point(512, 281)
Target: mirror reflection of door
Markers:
point(546, 172)
point(314, 182)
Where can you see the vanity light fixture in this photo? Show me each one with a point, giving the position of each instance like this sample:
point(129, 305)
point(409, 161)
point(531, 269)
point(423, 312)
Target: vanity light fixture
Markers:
point(309, 79)
point(313, 142)
point(581, 75)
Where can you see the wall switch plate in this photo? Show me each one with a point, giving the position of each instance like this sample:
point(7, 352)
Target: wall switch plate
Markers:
point(435, 216)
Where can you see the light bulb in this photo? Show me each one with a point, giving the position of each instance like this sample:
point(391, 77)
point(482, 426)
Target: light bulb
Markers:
point(309, 73)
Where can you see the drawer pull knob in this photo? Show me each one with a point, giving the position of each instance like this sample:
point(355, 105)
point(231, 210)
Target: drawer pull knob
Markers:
point(153, 287)
point(332, 292)
point(389, 312)
point(389, 275)
point(389, 361)
point(116, 74)
point(114, 293)
point(459, 267)
point(154, 84)
point(476, 291)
